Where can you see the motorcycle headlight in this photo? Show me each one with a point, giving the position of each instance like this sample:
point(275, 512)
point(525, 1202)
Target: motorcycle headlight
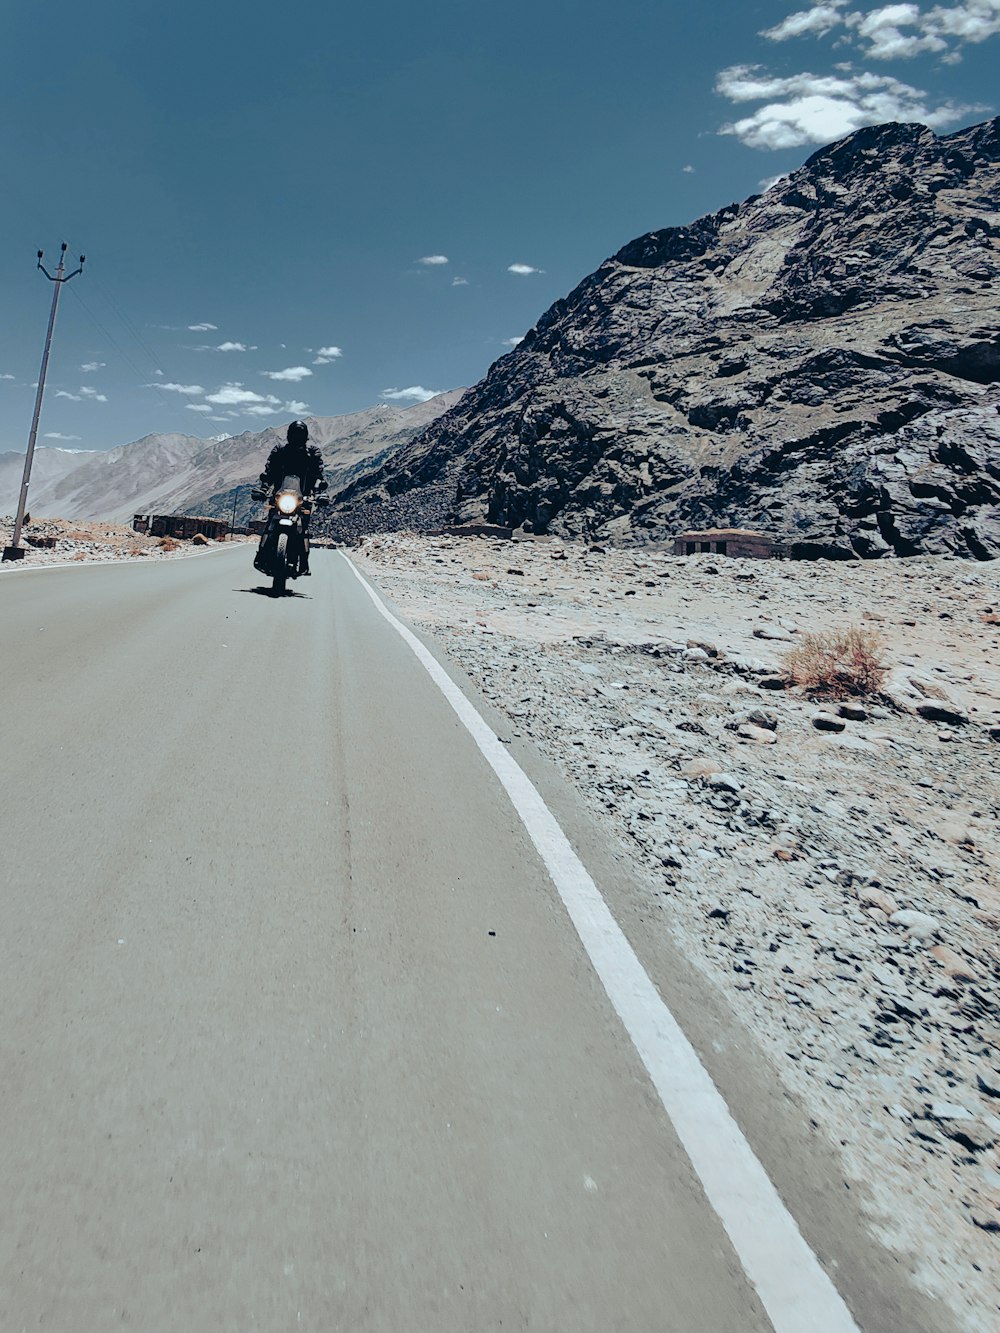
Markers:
point(287, 502)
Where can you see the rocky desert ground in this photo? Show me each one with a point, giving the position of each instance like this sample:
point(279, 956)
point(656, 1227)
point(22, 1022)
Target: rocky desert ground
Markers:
point(831, 866)
point(75, 539)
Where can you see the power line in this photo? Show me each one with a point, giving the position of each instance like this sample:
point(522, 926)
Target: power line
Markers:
point(130, 327)
point(165, 402)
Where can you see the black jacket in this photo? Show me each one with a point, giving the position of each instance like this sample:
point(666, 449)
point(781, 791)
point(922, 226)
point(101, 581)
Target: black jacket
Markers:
point(290, 460)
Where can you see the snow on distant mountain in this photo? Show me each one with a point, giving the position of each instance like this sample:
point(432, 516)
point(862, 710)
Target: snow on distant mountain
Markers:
point(171, 472)
point(48, 467)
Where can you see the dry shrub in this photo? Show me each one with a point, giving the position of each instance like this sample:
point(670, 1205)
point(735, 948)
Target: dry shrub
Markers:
point(838, 663)
point(169, 544)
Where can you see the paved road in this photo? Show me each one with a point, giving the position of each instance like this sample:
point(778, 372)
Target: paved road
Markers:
point(295, 1033)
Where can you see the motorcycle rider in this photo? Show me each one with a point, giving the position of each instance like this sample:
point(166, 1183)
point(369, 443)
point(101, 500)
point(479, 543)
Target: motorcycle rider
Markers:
point(296, 458)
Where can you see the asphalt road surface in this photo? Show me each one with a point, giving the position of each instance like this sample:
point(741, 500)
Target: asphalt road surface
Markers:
point(295, 1031)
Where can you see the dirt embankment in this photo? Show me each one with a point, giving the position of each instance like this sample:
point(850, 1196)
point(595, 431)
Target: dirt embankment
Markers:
point(836, 877)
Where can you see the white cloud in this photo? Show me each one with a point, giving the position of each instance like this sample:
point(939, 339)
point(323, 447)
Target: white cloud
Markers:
point(769, 182)
point(460, 282)
point(203, 328)
point(191, 389)
point(973, 21)
point(416, 393)
point(291, 373)
point(812, 108)
point(296, 407)
point(8, 377)
point(433, 259)
point(882, 32)
point(73, 397)
point(235, 347)
point(512, 342)
point(89, 366)
point(324, 355)
point(198, 407)
point(87, 392)
point(808, 22)
point(523, 269)
point(234, 395)
point(688, 170)
point(58, 435)
point(258, 410)
point(896, 31)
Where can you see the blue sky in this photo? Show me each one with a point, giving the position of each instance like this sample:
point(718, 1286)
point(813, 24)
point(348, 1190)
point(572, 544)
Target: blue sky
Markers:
point(260, 192)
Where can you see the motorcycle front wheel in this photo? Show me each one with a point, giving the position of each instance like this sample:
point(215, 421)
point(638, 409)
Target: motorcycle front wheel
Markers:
point(280, 572)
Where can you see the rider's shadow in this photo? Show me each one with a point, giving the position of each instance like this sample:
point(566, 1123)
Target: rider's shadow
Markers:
point(269, 592)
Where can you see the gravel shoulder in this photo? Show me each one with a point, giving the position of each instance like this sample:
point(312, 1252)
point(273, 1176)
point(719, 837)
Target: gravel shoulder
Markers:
point(836, 878)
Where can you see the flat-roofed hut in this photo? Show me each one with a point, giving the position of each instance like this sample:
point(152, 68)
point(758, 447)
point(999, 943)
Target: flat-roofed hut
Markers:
point(727, 541)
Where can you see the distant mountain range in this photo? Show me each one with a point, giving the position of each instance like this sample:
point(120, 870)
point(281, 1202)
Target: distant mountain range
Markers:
point(821, 362)
point(170, 473)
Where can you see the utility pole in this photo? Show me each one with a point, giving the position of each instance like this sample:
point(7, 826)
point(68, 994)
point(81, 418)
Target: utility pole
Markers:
point(15, 551)
point(232, 525)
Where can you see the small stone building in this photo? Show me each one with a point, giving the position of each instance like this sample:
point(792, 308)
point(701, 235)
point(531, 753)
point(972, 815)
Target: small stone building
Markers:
point(726, 541)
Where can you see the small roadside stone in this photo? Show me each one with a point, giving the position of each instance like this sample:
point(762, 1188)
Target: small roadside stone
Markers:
point(918, 924)
point(949, 1111)
point(757, 717)
point(725, 782)
point(827, 722)
point(853, 712)
point(781, 683)
point(761, 735)
point(699, 768)
point(934, 710)
point(954, 964)
point(875, 897)
point(710, 649)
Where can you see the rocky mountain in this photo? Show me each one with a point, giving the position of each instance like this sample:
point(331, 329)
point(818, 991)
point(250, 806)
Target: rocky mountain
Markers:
point(171, 473)
point(821, 362)
point(352, 444)
point(48, 466)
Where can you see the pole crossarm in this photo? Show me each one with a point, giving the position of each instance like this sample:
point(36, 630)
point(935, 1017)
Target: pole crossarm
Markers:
point(15, 551)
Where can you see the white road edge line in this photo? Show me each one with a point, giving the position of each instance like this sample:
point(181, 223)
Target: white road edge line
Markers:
point(794, 1289)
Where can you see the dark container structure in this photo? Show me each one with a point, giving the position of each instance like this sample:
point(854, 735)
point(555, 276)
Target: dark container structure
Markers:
point(181, 526)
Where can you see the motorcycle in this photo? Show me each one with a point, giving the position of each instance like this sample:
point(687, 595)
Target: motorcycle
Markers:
point(284, 545)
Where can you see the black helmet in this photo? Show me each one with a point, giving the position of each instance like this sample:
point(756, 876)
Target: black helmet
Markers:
point(298, 433)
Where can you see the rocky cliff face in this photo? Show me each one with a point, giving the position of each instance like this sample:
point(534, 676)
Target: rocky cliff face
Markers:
point(821, 362)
